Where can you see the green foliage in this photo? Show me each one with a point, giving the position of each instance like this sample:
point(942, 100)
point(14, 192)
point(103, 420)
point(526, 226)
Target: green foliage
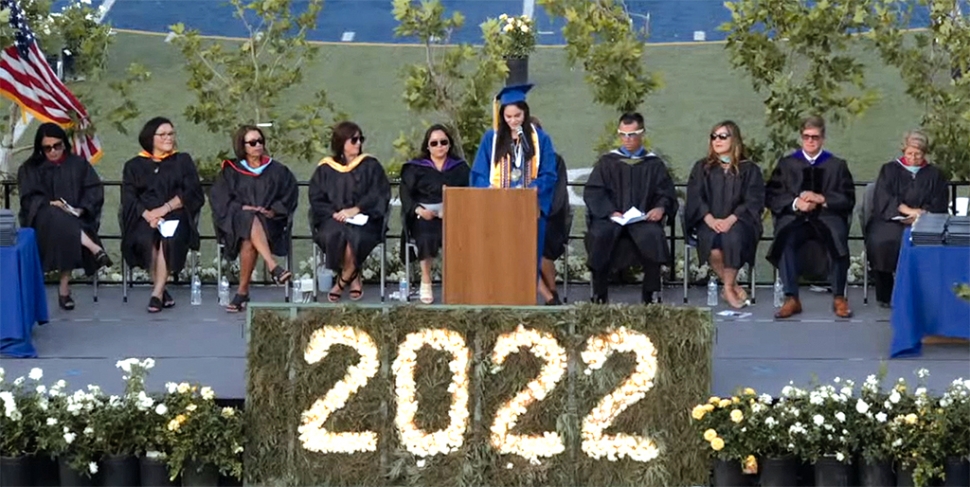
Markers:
point(247, 82)
point(455, 82)
point(796, 54)
point(518, 38)
point(930, 63)
point(962, 291)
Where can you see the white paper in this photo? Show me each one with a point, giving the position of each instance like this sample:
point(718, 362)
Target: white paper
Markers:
point(734, 314)
point(437, 208)
point(70, 209)
point(359, 219)
point(632, 215)
point(900, 217)
point(167, 227)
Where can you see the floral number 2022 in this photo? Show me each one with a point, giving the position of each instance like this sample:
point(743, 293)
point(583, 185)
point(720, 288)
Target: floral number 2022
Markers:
point(543, 345)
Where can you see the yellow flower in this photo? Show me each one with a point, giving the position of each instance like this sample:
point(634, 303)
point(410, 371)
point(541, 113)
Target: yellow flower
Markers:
point(714, 400)
point(724, 403)
point(717, 444)
point(750, 465)
point(735, 400)
point(698, 412)
point(190, 407)
point(709, 435)
point(737, 415)
point(708, 408)
point(911, 418)
point(181, 418)
point(750, 392)
point(173, 425)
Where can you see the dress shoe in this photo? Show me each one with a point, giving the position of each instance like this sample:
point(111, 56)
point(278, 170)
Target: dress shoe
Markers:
point(791, 307)
point(841, 307)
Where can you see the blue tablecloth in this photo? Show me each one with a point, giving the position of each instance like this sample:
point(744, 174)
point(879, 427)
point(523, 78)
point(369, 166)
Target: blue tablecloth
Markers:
point(924, 302)
point(23, 301)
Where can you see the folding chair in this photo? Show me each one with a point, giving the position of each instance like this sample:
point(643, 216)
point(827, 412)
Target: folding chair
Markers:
point(287, 261)
point(690, 242)
point(864, 215)
point(318, 252)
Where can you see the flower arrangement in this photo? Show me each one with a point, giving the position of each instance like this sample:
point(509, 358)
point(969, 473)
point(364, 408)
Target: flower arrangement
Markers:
point(199, 432)
point(771, 424)
point(723, 423)
point(67, 432)
point(831, 415)
point(123, 423)
point(518, 36)
point(24, 409)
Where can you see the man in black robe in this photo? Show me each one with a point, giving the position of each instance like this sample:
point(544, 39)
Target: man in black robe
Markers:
point(811, 196)
point(628, 178)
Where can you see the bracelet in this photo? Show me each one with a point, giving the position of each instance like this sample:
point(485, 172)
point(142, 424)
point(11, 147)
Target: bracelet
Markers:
point(169, 206)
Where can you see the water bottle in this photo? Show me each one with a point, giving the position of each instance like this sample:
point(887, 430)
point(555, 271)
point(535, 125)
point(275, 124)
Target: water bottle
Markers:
point(223, 291)
point(779, 293)
point(196, 290)
point(402, 289)
point(712, 292)
point(324, 279)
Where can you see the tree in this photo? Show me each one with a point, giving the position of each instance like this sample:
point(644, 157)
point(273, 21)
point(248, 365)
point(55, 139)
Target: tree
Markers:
point(797, 55)
point(601, 36)
point(455, 82)
point(246, 82)
point(934, 64)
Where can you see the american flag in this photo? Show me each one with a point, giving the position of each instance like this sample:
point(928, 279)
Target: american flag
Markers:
point(27, 79)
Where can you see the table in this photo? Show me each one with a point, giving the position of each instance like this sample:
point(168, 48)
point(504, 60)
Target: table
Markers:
point(23, 301)
point(924, 302)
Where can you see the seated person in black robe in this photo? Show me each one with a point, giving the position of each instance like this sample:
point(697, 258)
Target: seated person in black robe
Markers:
point(252, 201)
point(725, 200)
point(557, 232)
point(61, 198)
point(906, 187)
point(159, 185)
point(422, 181)
point(348, 188)
point(811, 196)
point(625, 178)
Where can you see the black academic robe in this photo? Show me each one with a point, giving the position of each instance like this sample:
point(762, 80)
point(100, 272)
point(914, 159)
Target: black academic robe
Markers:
point(712, 190)
point(560, 215)
point(59, 232)
point(365, 186)
point(927, 190)
point(616, 184)
point(422, 182)
point(830, 177)
point(274, 189)
point(149, 184)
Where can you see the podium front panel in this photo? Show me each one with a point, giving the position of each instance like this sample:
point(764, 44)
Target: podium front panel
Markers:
point(489, 246)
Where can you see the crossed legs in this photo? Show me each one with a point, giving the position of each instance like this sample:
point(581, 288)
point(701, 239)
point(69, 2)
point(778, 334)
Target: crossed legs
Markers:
point(86, 242)
point(256, 245)
point(349, 275)
point(734, 294)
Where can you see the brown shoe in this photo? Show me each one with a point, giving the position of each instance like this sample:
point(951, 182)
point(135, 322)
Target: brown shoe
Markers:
point(791, 307)
point(841, 307)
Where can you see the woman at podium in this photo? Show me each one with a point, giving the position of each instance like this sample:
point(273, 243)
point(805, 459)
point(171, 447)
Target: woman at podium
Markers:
point(422, 181)
point(516, 154)
point(61, 198)
point(349, 196)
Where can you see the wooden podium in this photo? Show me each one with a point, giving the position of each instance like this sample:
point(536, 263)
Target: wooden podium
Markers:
point(489, 245)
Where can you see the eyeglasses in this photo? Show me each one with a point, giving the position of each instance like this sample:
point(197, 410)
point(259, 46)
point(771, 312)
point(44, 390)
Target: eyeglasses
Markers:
point(254, 143)
point(436, 143)
point(812, 137)
point(165, 134)
point(357, 138)
point(629, 134)
point(51, 148)
point(722, 136)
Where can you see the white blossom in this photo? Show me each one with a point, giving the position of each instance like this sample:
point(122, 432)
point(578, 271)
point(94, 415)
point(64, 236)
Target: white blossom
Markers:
point(861, 406)
point(207, 393)
point(922, 373)
point(840, 416)
point(894, 397)
point(818, 419)
point(839, 456)
point(36, 374)
point(93, 466)
point(161, 409)
point(69, 438)
point(88, 431)
point(51, 421)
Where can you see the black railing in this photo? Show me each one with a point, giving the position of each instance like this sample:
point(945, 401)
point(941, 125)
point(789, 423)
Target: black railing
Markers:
point(674, 234)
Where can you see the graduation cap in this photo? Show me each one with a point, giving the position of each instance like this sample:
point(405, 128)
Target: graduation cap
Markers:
point(508, 95)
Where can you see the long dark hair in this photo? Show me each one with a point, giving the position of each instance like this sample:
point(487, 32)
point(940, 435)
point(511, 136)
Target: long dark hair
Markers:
point(239, 140)
point(343, 132)
point(738, 153)
point(48, 130)
point(452, 146)
point(503, 136)
point(146, 138)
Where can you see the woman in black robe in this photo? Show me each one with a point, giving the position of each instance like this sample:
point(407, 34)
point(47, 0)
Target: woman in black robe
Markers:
point(159, 184)
point(725, 200)
point(252, 202)
point(906, 187)
point(61, 198)
point(422, 182)
point(348, 187)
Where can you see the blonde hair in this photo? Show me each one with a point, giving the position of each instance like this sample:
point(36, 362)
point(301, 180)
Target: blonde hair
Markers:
point(917, 139)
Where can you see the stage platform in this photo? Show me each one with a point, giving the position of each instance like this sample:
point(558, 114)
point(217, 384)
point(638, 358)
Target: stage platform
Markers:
point(206, 344)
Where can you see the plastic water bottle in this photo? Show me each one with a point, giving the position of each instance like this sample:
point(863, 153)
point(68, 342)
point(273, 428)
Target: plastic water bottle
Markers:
point(196, 290)
point(712, 292)
point(779, 293)
point(402, 289)
point(223, 291)
point(324, 279)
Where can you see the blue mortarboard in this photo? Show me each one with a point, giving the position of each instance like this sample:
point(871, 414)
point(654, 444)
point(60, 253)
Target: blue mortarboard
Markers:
point(513, 94)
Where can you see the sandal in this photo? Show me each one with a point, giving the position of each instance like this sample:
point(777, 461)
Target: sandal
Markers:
point(167, 300)
point(333, 297)
point(102, 259)
point(356, 294)
point(741, 293)
point(426, 293)
point(281, 275)
point(238, 303)
point(154, 304)
point(555, 301)
point(65, 302)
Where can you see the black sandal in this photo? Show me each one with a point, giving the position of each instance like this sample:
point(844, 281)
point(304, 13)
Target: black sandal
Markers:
point(154, 304)
point(281, 275)
point(103, 260)
point(341, 284)
point(65, 302)
point(356, 294)
point(238, 303)
point(167, 300)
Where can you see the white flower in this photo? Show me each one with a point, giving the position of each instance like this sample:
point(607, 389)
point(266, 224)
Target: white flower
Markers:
point(818, 419)
point(420, 463)
point(770, 422)
point(36, 374)
point(88, 431)
point(124, 365)
point(861, 406)
point(93, 466)
point(18, 381)
point(207, 393)
point(51, 421)
point(2, 374)
point(894, 397)
point(41, 389)
point(846, 391)
point(69, 438)
point(148, 363)
point(922, 373)
point(161, 409)
point(840, 416)
point(839, 456)
point(182, 388)
point(171, 387)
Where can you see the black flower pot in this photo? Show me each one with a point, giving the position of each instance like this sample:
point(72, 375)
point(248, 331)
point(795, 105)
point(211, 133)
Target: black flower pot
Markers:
point(120, 471)
point(15, 471)
point(877, 474)
point(779, 472)
point(44, 471)
point(904, 476)
point(154, 473)
point(728, 473)
point(957, 472)
point(518, 71)
point(830, 472)
point(70, 477)
point(195, 475)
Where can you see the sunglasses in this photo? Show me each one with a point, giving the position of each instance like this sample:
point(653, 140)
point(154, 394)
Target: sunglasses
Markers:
point(51, 148)
point(630, 134)
point(254, 143)
point(436, 143)
point(811, 137)
point(357, 138)
point(165, 134)
point(722, 136)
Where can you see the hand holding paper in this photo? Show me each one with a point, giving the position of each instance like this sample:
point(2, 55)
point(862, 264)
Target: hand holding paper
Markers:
point(359, 219)
point(167, 227)
point(632, 215)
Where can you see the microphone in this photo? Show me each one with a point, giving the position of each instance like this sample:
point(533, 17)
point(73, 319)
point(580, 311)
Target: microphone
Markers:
point(522, 139)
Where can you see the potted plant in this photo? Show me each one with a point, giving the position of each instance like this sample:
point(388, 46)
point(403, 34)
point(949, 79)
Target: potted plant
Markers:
point(872, 434)
point(915, 451)
point(776, 433)
point(950, 429)
point(68, 434)
point(517, 40)
point(123, 424)
point(204, 439)
point(829, 443)
point(723, 423)
point(22, 413)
